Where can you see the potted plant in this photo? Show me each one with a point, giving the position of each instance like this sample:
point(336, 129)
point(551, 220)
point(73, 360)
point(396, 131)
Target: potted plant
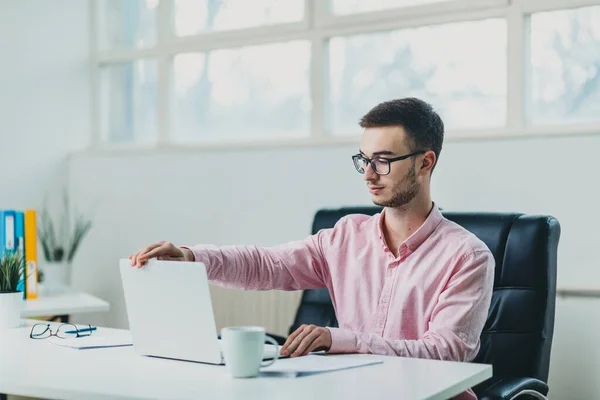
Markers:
point(60, 241)
point(11, 300)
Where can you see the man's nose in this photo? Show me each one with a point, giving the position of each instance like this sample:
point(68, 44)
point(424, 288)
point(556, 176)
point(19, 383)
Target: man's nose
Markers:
point(370, 174)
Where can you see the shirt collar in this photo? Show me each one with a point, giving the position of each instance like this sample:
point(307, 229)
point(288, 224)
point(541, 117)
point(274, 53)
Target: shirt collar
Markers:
point(421, 234)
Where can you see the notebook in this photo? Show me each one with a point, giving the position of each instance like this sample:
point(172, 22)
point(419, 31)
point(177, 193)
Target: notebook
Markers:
point(317, 363)
point(93, 342)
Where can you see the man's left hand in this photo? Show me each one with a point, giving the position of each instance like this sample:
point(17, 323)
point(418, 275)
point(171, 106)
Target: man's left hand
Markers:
point(305, 339)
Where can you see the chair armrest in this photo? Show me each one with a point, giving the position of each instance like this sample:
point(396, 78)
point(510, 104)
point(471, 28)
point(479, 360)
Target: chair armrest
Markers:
point(508, 388)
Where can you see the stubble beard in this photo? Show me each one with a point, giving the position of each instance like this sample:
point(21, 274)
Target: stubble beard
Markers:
point(403, 192)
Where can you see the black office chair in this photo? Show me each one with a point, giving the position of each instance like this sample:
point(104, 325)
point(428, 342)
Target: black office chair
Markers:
point(517, 336)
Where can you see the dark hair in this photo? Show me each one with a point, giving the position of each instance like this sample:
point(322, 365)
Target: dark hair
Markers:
point(424, 127)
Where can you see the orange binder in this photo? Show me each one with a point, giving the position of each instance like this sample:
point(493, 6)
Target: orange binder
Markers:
point(31, 265)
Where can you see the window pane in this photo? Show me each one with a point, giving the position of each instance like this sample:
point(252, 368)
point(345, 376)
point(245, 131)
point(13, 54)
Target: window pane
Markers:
point(357, 6)
point(197, 16)
point(128, 102)
point(565, 66)
point(459, 68)
point(248, 92)
point(126, 24)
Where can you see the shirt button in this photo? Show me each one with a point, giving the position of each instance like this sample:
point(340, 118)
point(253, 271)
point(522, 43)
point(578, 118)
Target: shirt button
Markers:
point(384, 300)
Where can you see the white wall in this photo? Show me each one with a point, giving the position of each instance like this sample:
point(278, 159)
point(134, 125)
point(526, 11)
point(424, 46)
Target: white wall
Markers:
point(44, 96)
point(267, 196)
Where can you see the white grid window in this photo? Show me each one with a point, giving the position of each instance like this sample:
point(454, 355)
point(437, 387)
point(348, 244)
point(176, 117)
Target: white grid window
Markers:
point(565, 66)
point(202, 16)
point(249, 92)
point(460, 68)
point(217, 72)
point(360, 6)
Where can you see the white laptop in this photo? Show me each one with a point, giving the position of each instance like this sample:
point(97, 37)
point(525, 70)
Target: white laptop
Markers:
point(170, 311)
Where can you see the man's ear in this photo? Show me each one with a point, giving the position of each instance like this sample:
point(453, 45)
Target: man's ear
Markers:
point(429, 160)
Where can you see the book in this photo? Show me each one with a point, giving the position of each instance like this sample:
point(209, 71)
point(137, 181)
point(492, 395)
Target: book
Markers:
point(7, 229)
point(31, 265)
point(20, 246)
point(2, 234)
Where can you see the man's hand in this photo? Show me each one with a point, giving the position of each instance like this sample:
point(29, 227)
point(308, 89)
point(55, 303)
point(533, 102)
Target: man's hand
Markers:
point(161, 250)
point(305, 339)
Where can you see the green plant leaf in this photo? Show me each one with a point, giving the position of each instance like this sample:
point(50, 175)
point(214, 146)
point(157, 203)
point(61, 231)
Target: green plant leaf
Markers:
point(62, 244)
point(47, 235)
point(11, 271)
point(82, 227)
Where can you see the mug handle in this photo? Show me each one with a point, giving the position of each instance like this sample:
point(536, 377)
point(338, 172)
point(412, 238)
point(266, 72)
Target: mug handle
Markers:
point(274, 342)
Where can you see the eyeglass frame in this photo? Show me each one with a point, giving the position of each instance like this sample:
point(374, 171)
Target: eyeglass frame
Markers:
point(88, 331)
point(388, 160)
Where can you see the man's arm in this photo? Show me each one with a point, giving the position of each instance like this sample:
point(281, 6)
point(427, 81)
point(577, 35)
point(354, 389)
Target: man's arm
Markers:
point(455, 326)
point(292, 266)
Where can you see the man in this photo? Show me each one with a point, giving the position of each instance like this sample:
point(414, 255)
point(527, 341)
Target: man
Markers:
point(405, 282)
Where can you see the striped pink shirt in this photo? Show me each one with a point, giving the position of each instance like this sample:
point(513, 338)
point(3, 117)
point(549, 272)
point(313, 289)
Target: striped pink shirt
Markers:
point(430, 302)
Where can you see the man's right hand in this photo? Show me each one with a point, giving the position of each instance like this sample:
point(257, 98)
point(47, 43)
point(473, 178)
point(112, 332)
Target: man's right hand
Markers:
point(162, 251)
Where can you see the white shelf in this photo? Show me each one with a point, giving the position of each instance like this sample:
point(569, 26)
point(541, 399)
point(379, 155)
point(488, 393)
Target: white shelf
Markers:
point(65, 302)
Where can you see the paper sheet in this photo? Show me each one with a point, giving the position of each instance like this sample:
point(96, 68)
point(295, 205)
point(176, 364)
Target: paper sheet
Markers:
point(93, 342)
point(314, 364)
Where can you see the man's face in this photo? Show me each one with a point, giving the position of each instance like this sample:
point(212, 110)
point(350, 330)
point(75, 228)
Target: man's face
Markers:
point(402, 184)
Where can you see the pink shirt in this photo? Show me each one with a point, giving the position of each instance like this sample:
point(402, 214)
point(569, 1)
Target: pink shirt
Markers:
point(430, 302)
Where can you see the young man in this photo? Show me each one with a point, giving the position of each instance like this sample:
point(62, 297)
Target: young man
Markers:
point(405, 282)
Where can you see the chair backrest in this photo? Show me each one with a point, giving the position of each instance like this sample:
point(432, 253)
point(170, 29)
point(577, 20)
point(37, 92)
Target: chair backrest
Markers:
point(517, 336)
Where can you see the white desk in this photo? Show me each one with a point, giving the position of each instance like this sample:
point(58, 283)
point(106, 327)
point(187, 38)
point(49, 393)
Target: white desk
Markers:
point(62, 304)
point(39, 368)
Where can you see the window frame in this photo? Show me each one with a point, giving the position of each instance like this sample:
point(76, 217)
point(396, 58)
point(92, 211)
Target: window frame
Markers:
point(317, 26)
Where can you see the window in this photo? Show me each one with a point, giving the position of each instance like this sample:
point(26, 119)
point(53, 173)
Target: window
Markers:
point(128, 102)
point(197, 16)
point(127, 24)
point(251, 92)
point(565, 66)
point(214, 72)
point(460, 68)
point(358, 6)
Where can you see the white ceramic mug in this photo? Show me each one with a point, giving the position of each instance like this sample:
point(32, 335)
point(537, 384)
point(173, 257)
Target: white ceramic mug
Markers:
point(243, 348)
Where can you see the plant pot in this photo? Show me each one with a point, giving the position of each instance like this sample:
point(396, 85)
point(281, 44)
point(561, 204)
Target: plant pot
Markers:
point(57, 275)
point(11, 305)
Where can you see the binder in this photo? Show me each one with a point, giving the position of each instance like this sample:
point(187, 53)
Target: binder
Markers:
point(8, 237)
point(31, 265)
point(2, 234)
point(20, 245)
point(7, 240)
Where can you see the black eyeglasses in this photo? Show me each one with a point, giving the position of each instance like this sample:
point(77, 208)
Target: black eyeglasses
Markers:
point(64, 331)
point(380, 165)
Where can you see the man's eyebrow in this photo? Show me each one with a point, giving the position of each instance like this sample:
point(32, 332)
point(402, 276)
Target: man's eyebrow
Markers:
point(380, 153)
